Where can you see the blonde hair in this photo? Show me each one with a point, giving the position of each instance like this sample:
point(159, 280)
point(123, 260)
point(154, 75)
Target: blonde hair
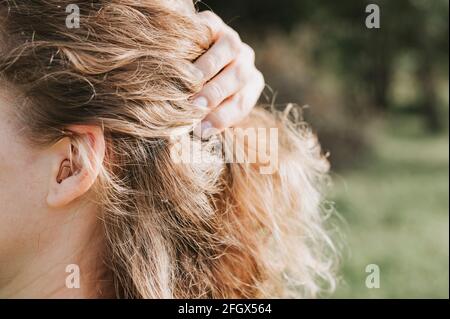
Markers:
point(173, 230)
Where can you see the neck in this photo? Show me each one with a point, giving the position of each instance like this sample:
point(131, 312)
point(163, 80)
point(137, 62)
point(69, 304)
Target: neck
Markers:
point(68, 265)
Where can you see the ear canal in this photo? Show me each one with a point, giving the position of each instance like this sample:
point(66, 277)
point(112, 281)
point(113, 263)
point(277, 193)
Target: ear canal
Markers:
point(64, 171)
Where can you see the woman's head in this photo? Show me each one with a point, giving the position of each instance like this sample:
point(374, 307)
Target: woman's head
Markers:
point(108, 97)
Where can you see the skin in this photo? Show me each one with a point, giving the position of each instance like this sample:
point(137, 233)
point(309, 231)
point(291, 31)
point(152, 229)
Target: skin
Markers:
point(232, 82)
point(46, 226)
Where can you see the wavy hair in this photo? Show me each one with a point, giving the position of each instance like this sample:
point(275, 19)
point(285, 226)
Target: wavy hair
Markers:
point(173, 230)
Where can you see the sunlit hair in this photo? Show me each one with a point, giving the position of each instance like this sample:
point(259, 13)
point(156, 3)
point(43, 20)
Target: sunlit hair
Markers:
point(173, 230)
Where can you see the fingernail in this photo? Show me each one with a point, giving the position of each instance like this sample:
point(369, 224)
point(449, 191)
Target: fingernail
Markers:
point(201, 102)
point(203, 130)
point(206, 125)
point(208, 129)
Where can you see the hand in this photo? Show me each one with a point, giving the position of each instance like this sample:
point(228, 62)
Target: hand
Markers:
point(232, 82)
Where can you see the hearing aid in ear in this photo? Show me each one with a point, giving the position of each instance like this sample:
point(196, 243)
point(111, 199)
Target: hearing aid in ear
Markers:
point(64, 171)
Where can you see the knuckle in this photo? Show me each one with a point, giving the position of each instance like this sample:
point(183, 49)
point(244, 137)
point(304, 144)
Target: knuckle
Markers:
point(239, 71)
point(234, 41)
point(208, 14)
point(243, 70)
point(250, 52)
point(211, 17)
point(260, 78)
point(235, 35)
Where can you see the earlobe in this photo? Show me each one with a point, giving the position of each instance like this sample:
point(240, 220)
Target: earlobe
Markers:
point(77, 164)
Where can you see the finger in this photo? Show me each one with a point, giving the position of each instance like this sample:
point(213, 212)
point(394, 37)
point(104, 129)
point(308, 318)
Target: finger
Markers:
point(213, 21)
point(235, 108)
point(232, 79)
point(214, 122)
point(218, 56)
point(222, 53)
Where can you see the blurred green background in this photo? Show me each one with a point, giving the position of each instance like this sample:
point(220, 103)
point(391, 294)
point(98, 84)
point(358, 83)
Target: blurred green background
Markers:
point(379, 101)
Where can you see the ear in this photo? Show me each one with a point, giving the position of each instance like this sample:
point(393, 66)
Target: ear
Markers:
point(75, 165)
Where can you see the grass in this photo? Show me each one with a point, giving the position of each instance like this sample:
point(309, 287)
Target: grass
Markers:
point(396, 211)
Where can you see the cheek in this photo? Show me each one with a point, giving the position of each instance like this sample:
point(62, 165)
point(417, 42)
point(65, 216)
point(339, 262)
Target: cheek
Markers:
point(18, 175)
point(22, 196)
